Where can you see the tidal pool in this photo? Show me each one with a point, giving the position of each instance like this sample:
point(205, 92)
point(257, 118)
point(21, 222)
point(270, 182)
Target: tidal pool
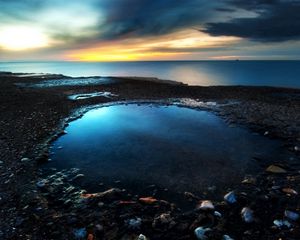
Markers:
point(70, 82)
point(172, 147)
point(81, 96)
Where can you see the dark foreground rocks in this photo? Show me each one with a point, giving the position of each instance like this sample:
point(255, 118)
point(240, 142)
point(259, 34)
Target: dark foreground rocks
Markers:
point(35, 206)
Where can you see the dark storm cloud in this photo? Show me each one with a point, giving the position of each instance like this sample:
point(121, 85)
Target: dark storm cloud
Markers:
point(276, 21)
point(260, 20)
point(127, 18)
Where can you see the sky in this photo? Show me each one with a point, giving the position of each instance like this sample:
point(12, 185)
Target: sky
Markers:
point(139, 30)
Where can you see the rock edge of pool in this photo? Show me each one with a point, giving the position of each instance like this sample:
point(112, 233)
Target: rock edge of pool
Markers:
point(263, 206)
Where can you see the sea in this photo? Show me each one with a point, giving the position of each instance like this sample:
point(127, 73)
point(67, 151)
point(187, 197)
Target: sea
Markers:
point(200, 73)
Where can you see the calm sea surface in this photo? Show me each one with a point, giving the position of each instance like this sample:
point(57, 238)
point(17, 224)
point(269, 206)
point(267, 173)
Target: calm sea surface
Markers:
point(205, 73)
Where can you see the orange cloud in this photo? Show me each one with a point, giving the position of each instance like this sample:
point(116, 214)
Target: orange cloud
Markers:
point(171, 46)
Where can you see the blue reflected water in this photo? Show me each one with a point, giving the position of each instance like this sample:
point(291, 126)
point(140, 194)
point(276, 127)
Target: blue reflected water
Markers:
point(176, 148)
point(205, 73)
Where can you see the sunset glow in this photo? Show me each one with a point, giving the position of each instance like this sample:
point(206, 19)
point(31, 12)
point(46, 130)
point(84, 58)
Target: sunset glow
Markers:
point(134, 30)
point(17, 38)
point(170, 46)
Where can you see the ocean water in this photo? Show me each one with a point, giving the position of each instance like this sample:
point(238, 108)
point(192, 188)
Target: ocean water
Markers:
point(203, 73)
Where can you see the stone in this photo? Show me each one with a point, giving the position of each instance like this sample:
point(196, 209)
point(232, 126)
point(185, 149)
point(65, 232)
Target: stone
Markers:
point(206, 205)
point(25, 160)
point(99, 227)
point(275, 169)
point(282, 223)
point(291, 215)
point(41, 183)
point(247, 215)
point(227, 237)
point(79, 233)
point(141, 237)
point(107, 195)
point(230, 197)
point(148, 200)
point(289, 191)
point(217, 214)
point(163, 221)
point(200, 233)
point(134, 223)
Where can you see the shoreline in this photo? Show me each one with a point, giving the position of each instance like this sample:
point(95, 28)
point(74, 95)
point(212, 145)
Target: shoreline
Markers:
point(30, 116)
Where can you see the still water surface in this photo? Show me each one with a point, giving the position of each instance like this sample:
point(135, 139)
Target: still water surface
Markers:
point(205, 73)
point(172, 147)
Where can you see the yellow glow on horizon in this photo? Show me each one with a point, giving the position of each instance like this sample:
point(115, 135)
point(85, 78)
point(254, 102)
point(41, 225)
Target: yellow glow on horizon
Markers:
point(170, 46)
point(17, 38)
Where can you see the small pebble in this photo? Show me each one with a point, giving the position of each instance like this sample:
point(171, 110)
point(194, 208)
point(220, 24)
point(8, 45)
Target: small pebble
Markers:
point(25, 160)
point(41, 184)
point(230, 197)
point(247, 215)
point(227, 237)
point(282, 223)
point(200, 233)
point(141, 237)
point(291, 215)
point(217, 214)
point(206, 205)
point(134, 223)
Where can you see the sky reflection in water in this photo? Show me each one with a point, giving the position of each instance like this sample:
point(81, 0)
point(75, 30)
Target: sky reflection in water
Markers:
point(176, 148)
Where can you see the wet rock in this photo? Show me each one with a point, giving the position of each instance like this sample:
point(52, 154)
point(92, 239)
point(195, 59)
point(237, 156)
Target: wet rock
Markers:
point(212, 188)
point(275, 169)
point(282, 223)
point(206, 205)
point(247, 215)
point(289, 191)
point(227, 237)
point(249, 180)
point(90, 236)
point(230, 197)
point(200, 233)
point(25, 160)
point(148, 200)
point(79, 233)
point(217, 214)
point(141, 237)
point(163, 221)
point(78, 176)
point(41, 183)
point(266, 133)
point(134, 223)
point(190, 196)
point(291, 215)
point(110, 194)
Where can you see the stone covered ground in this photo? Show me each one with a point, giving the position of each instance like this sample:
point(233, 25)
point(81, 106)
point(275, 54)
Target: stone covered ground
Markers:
point(264, 206)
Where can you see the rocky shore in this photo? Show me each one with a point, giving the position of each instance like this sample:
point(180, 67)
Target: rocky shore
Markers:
point(34, 206)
